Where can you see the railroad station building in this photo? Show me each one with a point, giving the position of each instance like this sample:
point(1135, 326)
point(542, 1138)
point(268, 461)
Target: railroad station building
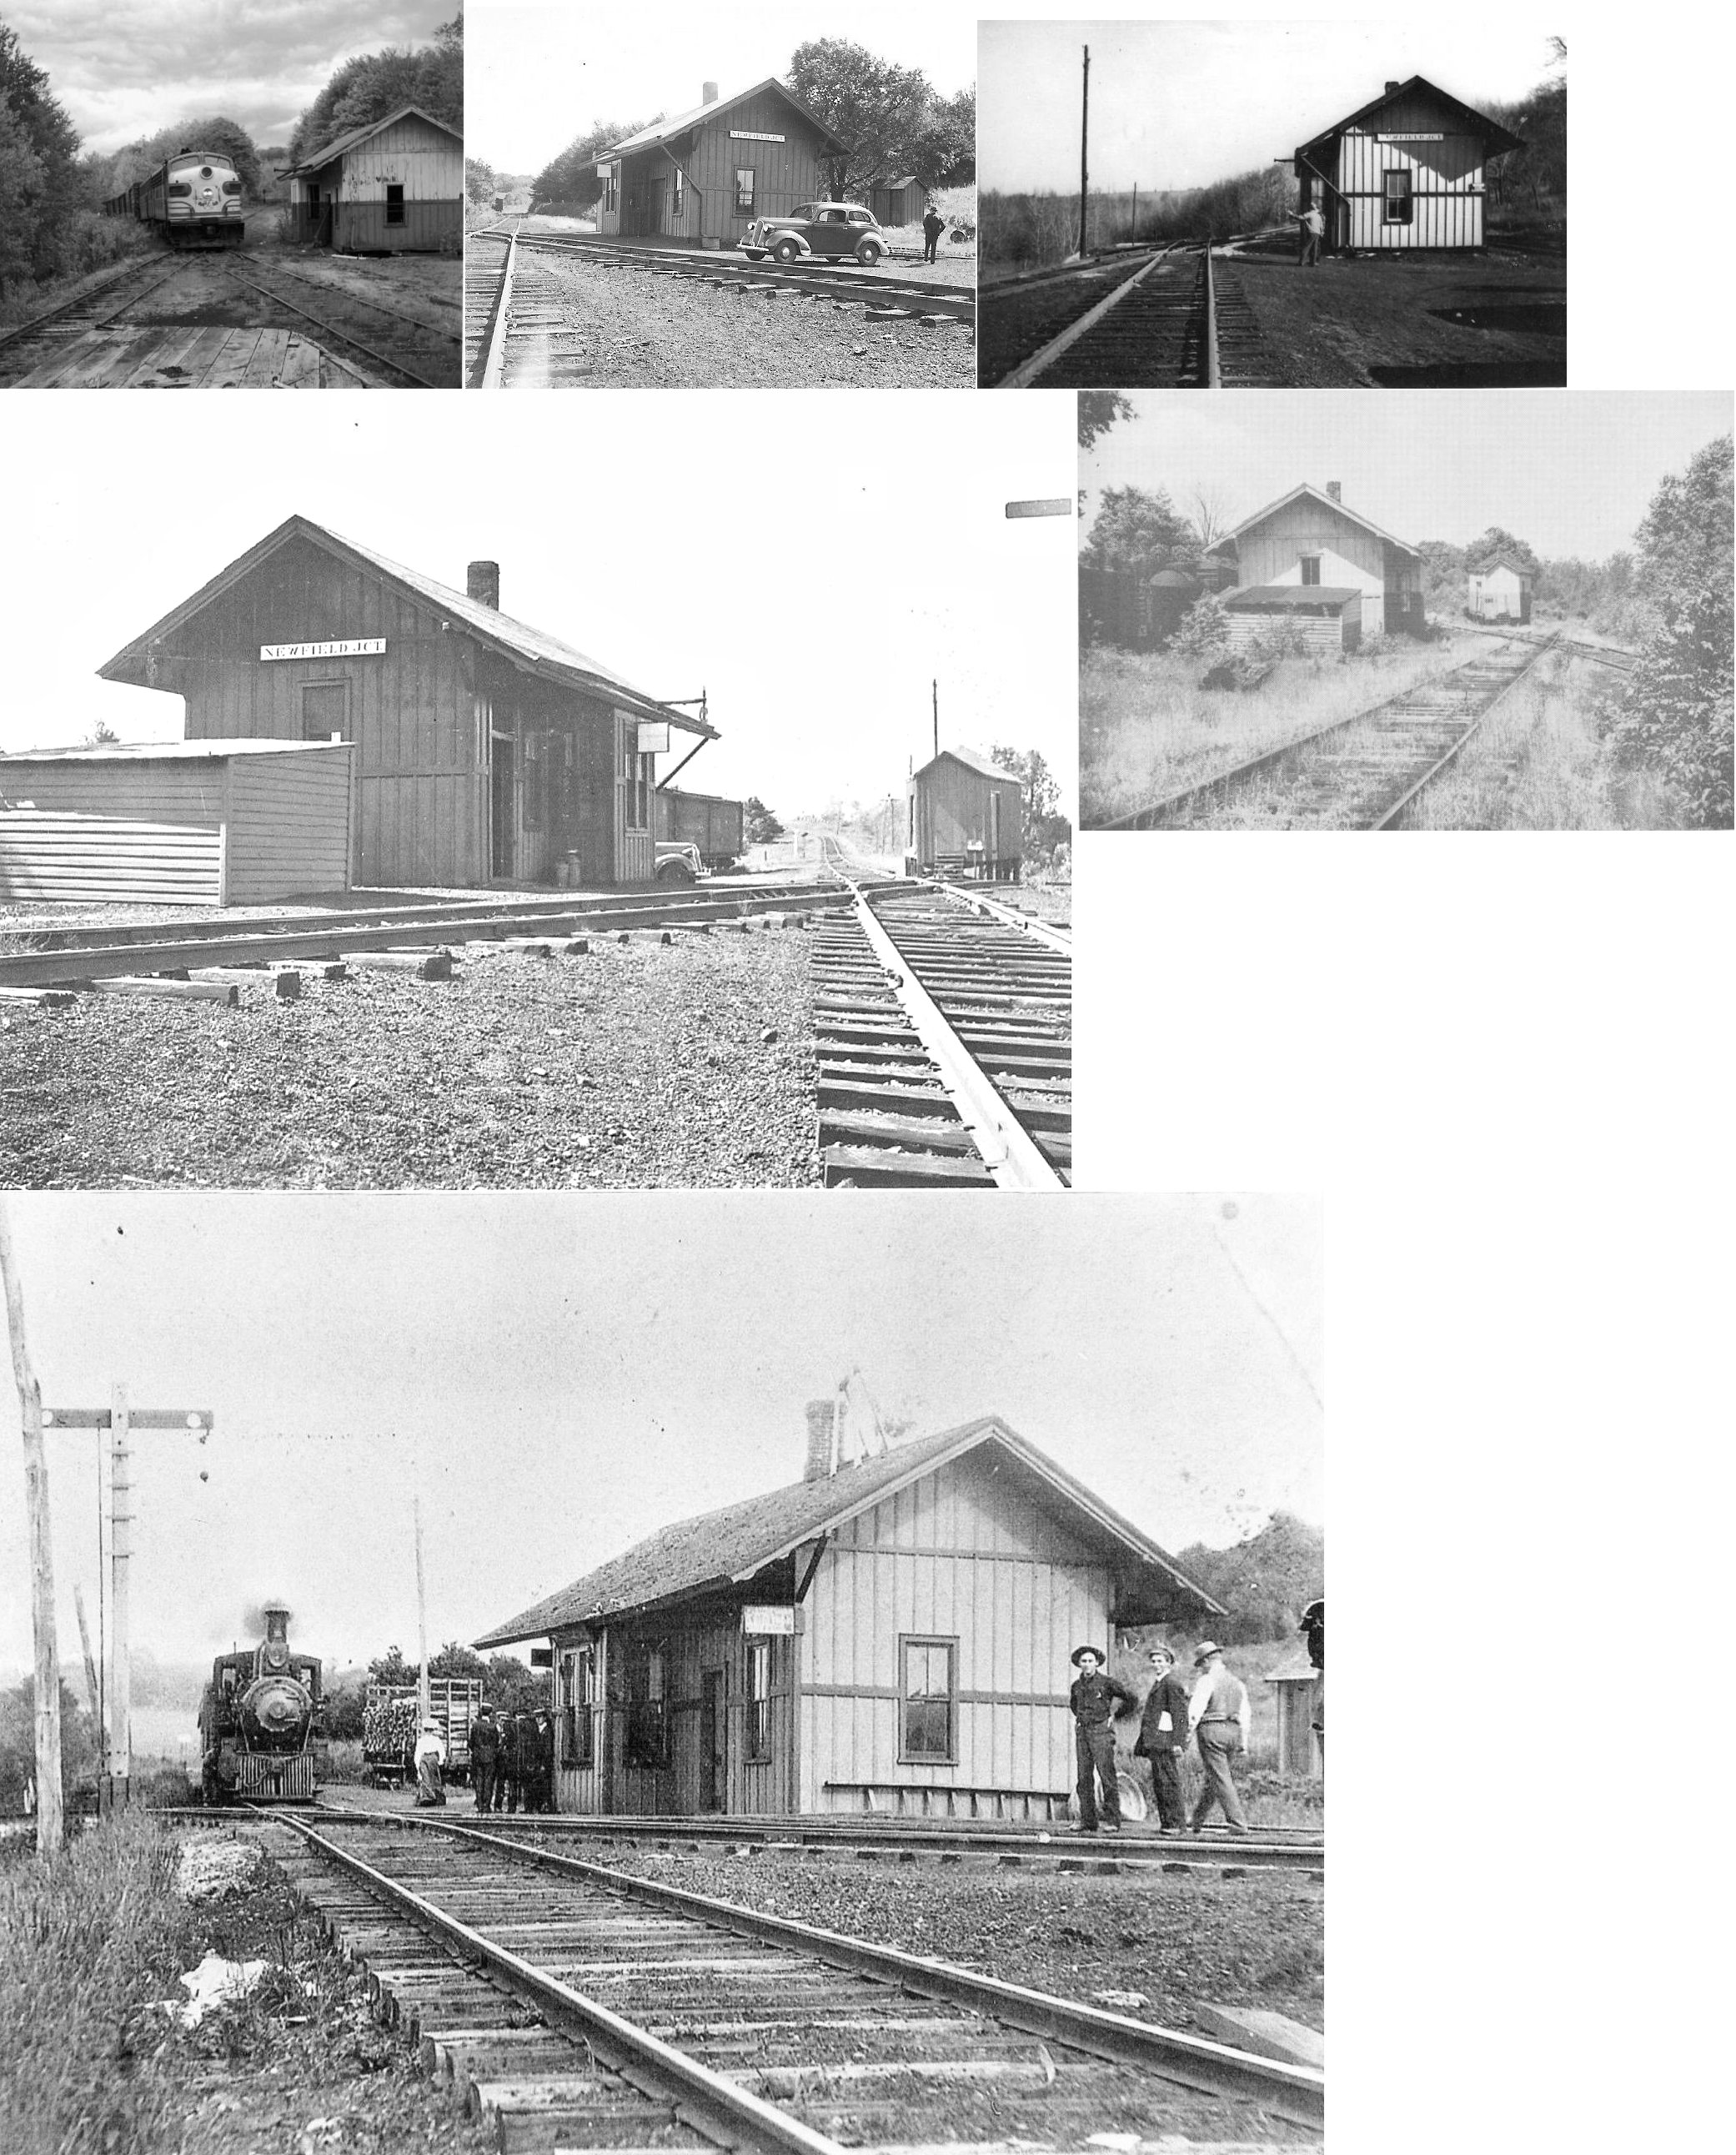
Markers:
point(890, 1634)
point(1408, 169)
point(965, 815)
point(1502, 592)
point(704, 175)
point(484, 751)
point(1371, 581)
point(396, 186)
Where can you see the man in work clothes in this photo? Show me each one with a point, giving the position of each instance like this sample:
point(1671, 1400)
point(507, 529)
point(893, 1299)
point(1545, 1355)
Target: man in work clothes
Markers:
point(484, 1757)
point(1219, 1717)
point(1311, 230)
point(1093, 1699)
point(1163, 1738)
point(933, 225)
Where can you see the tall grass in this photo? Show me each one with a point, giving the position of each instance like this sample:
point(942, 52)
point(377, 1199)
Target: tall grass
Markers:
point(1034, 231)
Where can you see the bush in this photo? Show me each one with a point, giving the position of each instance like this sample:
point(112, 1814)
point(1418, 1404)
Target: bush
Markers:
point(1204, 631)
point(1285, 638)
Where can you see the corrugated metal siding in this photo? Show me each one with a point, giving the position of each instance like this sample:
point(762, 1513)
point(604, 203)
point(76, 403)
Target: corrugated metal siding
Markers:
point(72, 858)
point(289, 825)
point(784, 173)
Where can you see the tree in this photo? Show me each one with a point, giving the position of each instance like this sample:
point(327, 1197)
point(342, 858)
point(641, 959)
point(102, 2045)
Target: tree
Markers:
point(565, 178)
point(17, 1743)
point(944, 151)
point(1099, 409)
point(1265, 1582)
point(372, 85)
point(1203, 631)
point(39, 166)
point(1138, 531)
point(1210, 523)
point(23, 183)
point(889, 116)
point(759, 826)
point(1042, 791)
point(478, 180)
point(1495, 544)
point(1443, 573)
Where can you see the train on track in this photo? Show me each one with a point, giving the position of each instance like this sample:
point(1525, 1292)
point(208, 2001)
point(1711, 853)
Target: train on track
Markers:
point(193, 199)
point(261, 1722)
point(705, 821)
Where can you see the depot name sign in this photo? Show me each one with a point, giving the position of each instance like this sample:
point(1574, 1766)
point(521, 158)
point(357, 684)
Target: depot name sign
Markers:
point(355, 647)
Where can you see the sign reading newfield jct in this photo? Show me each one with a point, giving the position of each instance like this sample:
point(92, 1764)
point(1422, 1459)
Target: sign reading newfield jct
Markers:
point(355, 647)
point(760, 1618)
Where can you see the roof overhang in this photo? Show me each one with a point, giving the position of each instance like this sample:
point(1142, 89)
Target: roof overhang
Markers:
point(352, 138)
point(1226, 544)
point(1495, 138)
point(666, 130)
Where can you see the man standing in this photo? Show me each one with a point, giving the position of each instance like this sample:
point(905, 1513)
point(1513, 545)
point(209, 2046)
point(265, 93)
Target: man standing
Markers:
point(506, 1794)
point(1219, 1717)
point(1311, 230)
point(933, 225)
point(1163, 1738)
point(430, 1758)
point(1314, 1629)
point(484, 1757)
point(1093, 1699)
point(545, 1760)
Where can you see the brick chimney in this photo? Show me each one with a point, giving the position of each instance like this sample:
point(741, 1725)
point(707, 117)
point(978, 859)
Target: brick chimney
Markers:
point(1393, 88)
point(1335, 490)
point(707, 92)
point(482, 582)
point(821, 1429)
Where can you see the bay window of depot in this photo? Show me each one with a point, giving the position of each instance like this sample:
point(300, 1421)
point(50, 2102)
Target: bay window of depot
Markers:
point(759, 1698)
point(647, 1708)
point(928, 1702)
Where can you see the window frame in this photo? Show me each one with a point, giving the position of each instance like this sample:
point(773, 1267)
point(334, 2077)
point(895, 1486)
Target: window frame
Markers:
point(325, 735)
point(1389, 212)
point(648, 1746)
point(757, 1720)
point(747, 172)
point(928, 1641)
point(1307, 562)
point(677, 195)
point(392, 187)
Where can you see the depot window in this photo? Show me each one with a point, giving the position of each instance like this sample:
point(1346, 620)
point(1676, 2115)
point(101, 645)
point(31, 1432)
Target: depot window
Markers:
point(759, 1698)
point(394, 203)
point(647, 1708)
point(1398, 199)
point(744, 191)
point(326, 710)
point(636, 774)
point(928, 1701)
point(578, 1687)
point(1311, 568)
point(677, 195)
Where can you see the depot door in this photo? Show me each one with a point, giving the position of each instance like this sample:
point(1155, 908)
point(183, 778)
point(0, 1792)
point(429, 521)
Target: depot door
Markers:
point(713, 1742)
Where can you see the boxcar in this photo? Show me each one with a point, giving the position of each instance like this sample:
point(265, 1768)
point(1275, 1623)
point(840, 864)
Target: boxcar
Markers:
point(705, 820)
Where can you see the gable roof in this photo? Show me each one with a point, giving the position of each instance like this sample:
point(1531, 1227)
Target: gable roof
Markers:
point(1325, 501)
point(727, 1548)
point(353, 137)
point(544, 656)
point(984, 767)
point(662, 130)
point(1496, 138)
point(1504, 561)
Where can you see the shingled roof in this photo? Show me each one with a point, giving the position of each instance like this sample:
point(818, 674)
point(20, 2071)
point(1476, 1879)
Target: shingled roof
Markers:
point(720, 1549)
point(1495, 137)
point(352, 139)
point(665, 131)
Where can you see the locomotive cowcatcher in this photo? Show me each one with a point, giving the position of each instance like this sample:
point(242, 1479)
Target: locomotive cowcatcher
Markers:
point(261, 1722)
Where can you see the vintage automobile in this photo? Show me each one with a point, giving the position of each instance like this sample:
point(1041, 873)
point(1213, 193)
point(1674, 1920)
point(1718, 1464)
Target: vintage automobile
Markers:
point(826, 230)
point(678, 862)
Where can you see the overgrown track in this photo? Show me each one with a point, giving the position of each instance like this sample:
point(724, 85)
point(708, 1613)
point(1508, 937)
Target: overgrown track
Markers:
point(435, 371)
point(1172, 318)
point(1363, 773)
point(573, 2005)
point(24, 349)
point(944, 1041)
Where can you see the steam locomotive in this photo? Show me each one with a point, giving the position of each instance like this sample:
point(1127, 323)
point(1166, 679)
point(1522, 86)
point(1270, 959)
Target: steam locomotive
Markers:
point(192, 199)
point(261, 1722)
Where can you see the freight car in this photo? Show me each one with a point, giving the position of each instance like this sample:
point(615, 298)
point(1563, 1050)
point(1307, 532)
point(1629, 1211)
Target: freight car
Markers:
point(192, 199)
point(391, 1722)
point(261, 1722)
point(704, 820)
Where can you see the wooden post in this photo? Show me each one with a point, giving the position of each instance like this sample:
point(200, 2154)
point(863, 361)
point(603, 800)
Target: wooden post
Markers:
point(91, 1692)
point(934, 690)
point(120, 1564)
point(50, 1808)
point(1084, 118)
point(423, 1695)
point(1134, 234)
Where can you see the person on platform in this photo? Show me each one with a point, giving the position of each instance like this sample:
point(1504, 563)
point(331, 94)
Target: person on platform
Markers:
point(1314, 1629)
point(526, 1726)
point(1163, 1738)
point(1096, 1699)
point(430, 1758)
point(484, 1757)
point(1310, 231)
point(933, 225)
point(506, 1792)
point(1218, 1718)
point(545, 1760)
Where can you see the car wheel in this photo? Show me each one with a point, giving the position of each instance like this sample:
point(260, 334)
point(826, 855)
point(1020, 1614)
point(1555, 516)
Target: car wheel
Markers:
point(868, 252)
point(675, 871)
point(786, 250)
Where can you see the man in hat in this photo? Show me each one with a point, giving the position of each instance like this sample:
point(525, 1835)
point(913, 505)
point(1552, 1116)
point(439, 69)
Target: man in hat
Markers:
point(1163, 1737)
point(933, 225)
point(506, 1793)
point(484, 1757)
point(1096, 1699)
point(1219, 1717)
point(545, 1798)
point(430, 1758)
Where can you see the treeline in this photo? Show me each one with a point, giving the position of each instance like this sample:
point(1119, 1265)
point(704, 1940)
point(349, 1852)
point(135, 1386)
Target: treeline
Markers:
point(50, 196)
point(1264, 1582)
point(1032, 231)
point(506, 1681)
point(369, 87)
point(1534, 177)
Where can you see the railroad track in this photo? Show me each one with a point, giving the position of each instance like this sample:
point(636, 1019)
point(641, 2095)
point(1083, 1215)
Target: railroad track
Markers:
point(944, 1041)
point(27, 347)
point(528, 308)
point(1172, 318)
point(1363, 773)
point(396, 373)
point(569, 2004)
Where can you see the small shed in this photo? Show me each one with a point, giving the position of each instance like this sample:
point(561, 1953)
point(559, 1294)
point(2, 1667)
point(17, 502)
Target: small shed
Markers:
point(396, 186)
point(966, 816)
point(1329, 615)
point(1406, 170)
point(177, 822)
point(1500, 592)
point(1297, 1682)
point(900, 201)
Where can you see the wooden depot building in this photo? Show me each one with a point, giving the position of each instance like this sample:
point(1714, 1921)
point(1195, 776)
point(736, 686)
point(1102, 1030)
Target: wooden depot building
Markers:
point(890, 1634)
point(965, 814)
point(1408, 170)
point(396, 186)
point(1309, 557)
point(484, 750)
point(704, 175)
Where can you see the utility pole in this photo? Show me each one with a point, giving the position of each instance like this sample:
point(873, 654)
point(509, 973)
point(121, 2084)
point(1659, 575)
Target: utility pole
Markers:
point(91, 1692)
point(50, 1813)
point(1085, 121)
point(934, 686)
point(424, 1700)
point(1134, 235)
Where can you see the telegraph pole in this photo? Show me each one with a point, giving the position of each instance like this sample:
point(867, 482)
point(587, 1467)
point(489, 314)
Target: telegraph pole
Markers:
point(934, 686)
point(50, 1815)
point(424, 1696)
point(1084, 120)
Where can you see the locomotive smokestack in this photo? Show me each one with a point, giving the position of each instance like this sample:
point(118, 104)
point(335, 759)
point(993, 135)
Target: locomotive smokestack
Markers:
point(822, 1436)
point(482, 582)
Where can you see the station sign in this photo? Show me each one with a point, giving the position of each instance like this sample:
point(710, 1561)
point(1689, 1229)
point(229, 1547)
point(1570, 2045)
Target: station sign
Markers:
point(769, 1621)
point(654, 737)
point(743, 134)
point(355, 647)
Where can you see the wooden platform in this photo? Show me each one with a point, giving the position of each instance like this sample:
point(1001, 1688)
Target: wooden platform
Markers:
point(190, 358)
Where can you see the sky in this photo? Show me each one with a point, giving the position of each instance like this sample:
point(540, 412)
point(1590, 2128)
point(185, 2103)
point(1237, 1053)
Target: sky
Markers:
point(536, 77)
point(1570, 473)
point(555, 1381)
point(813, 562)
point(1178, 105)
point(123, 68)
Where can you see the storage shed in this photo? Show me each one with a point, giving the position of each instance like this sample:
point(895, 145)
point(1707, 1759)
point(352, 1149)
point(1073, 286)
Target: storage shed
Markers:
point(1330, 616)
point(486, 751)
point(900, 201)
point(396, 186)
point(965, 815)
point(705, 174)
point(1408, 170)
point(1310, 538)
point(176, 822)
point(1297, 1682)
point(890, 1634)
point(1501, 591)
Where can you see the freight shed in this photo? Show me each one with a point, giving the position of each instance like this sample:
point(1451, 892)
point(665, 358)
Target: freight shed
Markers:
point(705, 175)
point(1329, 616)
point(890, 1635)
point(1308, 537)
point(396, 186)
point(486, 751)
point(176, 822)
point(1501, 591)
point(1408, 169)
point(965, 817)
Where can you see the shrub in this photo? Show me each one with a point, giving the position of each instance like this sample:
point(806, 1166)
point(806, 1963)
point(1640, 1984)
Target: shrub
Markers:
point(1204, 630)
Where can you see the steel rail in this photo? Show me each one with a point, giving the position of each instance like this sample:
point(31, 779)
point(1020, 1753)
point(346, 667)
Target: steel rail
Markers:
point(396, 314)
point(1297, 2092)
point(1389, 819)
point(1043, 930)
point(731, 2108)
point(1013, 1161)
point(99, 290)
point(493, 362)
point(1028, 370)
point(330, 330)
point(1214, 374)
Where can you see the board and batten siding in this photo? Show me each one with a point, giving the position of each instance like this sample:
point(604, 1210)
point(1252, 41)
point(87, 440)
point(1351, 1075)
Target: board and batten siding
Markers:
point(951, 808)
point(1349, 554)
point(965, 1555)
point(786, 173)
point(1416, 135)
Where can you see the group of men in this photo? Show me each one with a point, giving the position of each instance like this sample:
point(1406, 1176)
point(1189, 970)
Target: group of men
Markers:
point(1213, 1713)
point(511, 1762)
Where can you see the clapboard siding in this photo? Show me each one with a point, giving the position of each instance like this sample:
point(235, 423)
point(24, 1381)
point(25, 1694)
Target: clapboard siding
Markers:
point(289, 825)
point(1324, 634)
point(68, 858)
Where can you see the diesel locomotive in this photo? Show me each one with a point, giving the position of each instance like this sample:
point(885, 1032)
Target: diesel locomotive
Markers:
point(192, 199)
point(261, 1722)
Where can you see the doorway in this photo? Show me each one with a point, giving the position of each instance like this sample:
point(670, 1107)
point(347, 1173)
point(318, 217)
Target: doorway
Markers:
point(713, 1742)
point(504, 805)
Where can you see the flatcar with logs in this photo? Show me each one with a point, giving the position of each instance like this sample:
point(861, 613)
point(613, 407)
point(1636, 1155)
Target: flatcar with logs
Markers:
point(261, 1722)
point(702, 820)
point(193, 199)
